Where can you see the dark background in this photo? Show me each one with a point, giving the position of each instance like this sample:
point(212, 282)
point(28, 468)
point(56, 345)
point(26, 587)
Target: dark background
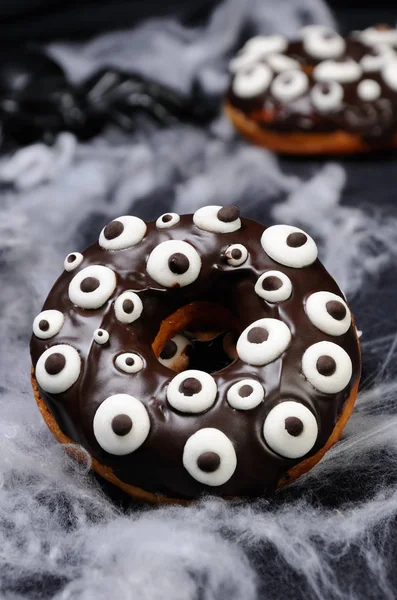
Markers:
point(46, 20)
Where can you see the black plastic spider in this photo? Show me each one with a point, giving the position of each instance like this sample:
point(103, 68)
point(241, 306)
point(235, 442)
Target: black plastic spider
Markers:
point(37, 101)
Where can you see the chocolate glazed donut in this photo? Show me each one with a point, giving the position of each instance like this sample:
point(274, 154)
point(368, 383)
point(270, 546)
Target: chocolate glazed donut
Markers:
point(321, 94)
point(245, 430)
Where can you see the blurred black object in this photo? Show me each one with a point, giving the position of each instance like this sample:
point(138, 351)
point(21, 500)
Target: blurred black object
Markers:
point(37, 101)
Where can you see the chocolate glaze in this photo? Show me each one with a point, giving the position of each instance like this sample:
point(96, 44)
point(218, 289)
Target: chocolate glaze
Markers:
point(374, 121)
point(157, 465)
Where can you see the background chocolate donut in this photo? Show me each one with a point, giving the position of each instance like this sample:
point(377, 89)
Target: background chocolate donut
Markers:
point(320, 83)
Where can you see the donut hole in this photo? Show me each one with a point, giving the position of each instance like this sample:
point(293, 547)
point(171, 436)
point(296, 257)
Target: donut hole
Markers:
point(211, 351)
point(210, 334)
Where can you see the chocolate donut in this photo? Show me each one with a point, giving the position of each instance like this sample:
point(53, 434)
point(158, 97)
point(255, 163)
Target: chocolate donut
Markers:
point(116, 315)
point(323, 94)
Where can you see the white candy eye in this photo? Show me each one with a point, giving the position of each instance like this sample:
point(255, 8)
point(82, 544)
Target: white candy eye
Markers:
point(121, 424)
point(328, 312)
point(173, 355)
point(274, 286)
point(368, 90)
point(48, 323)
point(253, 81)
point(263, 341)
point(129, 362)
point(72, 261)
point(128, 307)
point(243, 60)
point(344, 72)
point(389, 74)
point(321, 42)
point(327, 367)
point(122, 232)
point(209, 457)
point(58, 368)
point(374, 36)
point(256, 49)
point(377, 58)
point(101, 336)
point(218, 219)
point(236, 255)
point(289, 85)
point(167, 220)
point(327, 96)
point(192, 391)
point(92, 287)
point(281, 62)
point(174, 264)
point(265, 44)
point(289, 246)
point(246, 394)
point(290, 429)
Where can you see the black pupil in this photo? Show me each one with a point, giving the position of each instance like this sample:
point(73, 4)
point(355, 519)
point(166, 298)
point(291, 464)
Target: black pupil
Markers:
point(236, 253)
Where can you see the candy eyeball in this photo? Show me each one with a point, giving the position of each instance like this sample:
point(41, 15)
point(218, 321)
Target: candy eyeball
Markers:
point(266, 44)
point(378, 57)
point(174, 264)
point(389, 75)
point(321, 42)
point(289, 246)
point(58, 368)
point(122, 233)
point(281, 62)
point(245, 394)
point(128, 307)
point(209, 457)
point(174, 354)
point(121, 424)
point(331, 70)
point(274, 286)
point(92, 287)
point(290, 429)
point(252, 81)
point(368, 90)
point(327, 96)
point(101, 336)
point(129, 362)
point(167, 220)
point(72, 261)
point(263, 341)
point(327, 367)
point(236, 255)
point(256, 49)
point(48, 323)
point(218, 219)
point(328, 312)
point(373, 36)
point(192, 391)
point(289, 85)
